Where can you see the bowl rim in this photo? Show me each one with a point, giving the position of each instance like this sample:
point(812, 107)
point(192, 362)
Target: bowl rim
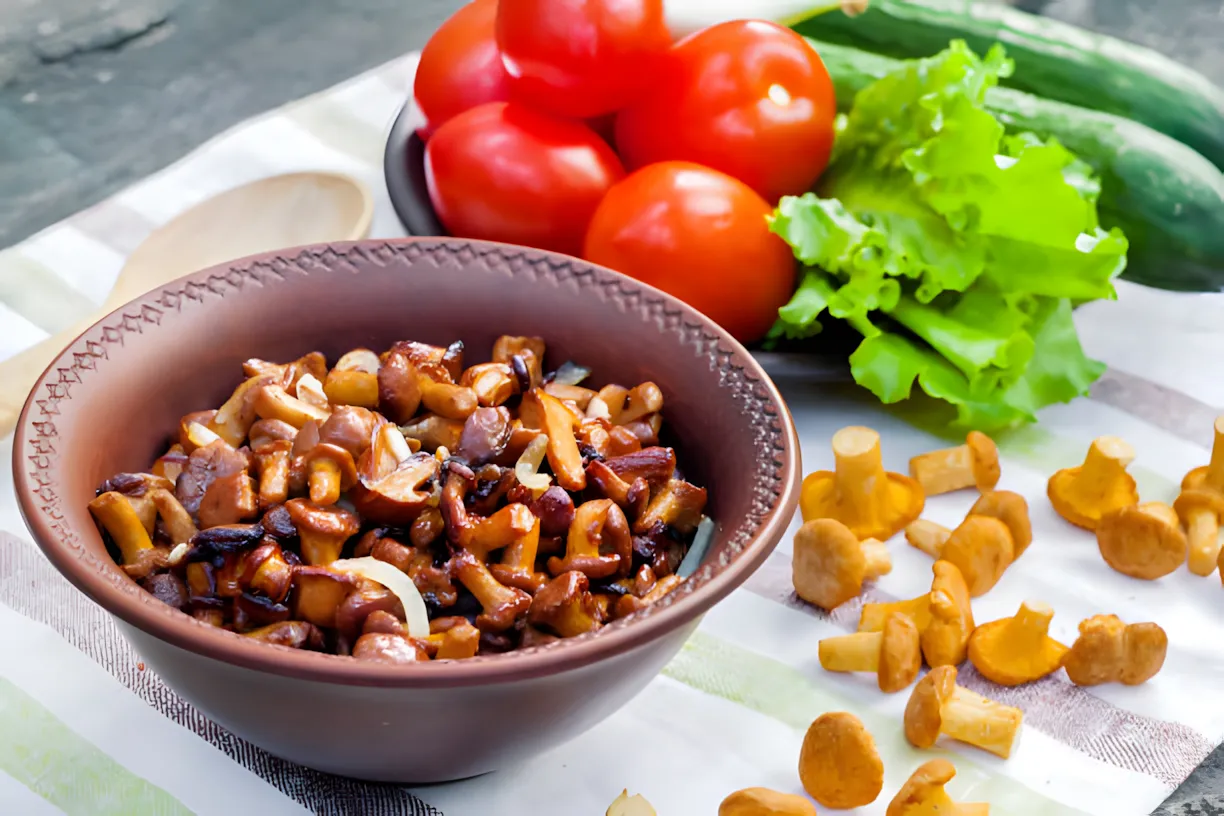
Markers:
point(144, 612)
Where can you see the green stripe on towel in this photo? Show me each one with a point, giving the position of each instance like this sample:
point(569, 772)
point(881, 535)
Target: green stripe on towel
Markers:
point(42, 753)
point(766, 686)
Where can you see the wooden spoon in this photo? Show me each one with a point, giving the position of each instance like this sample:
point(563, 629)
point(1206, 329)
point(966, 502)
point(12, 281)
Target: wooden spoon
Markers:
point(271, 213)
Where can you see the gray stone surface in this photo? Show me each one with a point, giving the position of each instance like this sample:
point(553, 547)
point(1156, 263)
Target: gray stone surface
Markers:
point(95, 94)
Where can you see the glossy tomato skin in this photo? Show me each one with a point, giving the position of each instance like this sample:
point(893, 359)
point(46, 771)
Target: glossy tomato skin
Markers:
point(461, 66)
point(581, 58)
point(700, 235)
point(504, 172)
point(749, 98)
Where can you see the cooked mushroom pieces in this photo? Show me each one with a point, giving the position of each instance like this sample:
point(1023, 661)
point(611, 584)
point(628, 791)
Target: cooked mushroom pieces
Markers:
point(486, 432)
point(205, 465)
point(502, 605)
point(565, 607)
point(379, 647)
point(400, 496)
point(322, 530)
point(597, 543)
point(342, 509)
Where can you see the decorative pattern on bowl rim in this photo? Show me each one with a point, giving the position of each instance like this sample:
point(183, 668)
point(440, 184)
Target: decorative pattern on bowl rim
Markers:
point(745, 388)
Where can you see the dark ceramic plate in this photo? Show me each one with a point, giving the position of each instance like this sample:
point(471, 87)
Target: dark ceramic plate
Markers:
point(404, 169)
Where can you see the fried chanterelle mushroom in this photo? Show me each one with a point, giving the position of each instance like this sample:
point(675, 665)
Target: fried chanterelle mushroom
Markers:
point(923, 794)
point(1016, 650)
point(839, 765)
point(1110, 651)
point(858, 492)
point(973, 464)
point(944, 616)
point(1083, 494)
point(765, 802)
point(939, 706)
point(981, 547)
point(892, 653)
point(1142, 540)
point(402, 507)
point(830, 564)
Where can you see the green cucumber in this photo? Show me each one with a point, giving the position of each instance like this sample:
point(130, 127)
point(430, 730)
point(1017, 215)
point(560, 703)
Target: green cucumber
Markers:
point(1167, 198)
point(1054, 60)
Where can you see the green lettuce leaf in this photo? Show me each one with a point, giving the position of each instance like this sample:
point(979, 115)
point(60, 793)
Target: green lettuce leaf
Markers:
point(954, 249)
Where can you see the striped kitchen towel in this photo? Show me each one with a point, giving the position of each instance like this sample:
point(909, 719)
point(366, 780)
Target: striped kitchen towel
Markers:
point(85, 729)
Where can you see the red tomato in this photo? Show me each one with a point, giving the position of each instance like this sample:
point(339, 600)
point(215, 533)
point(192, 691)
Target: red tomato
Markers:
point(749, 98)
point(581, 58)
point(700, 235)
point(504, 172)
point(460, 66)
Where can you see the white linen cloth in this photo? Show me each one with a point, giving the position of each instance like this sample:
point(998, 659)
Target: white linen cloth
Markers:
point(86, 730)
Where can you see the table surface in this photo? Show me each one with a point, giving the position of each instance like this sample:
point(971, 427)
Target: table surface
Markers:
point(77, 100)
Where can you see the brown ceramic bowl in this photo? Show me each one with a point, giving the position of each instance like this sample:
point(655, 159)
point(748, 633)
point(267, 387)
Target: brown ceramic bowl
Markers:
point(112, 399)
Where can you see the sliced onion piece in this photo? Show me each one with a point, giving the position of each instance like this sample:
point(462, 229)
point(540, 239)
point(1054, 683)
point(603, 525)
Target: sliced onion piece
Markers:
point(570, 373)
point(178, 553)
point(397, 444)
point(598, 409)
point(310, 391)
point(526, 469)
point(202, 437)
point(359, 360)
point(397, 582)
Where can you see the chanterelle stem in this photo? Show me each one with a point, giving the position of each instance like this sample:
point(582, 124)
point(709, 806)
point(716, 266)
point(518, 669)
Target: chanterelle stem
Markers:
point(1106, 460)
point(861, 484)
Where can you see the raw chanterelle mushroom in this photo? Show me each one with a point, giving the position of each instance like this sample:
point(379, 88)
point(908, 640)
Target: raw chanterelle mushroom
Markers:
point(1016, 650)
point(626, 805)
point(937, 706)
point(830, 564)
point(1200, 510)
point(1110, 651)
point(943, 616)
point(923, 794)
point(973, 464)
point(945, 642)
point(1211, 475)
point(1083, 494)
point(1011, 509)
point(858, 492)
point(765, 802)
point(839, 765)
point(1201, 507)
point(893, 653)
point(1142, 540)
point(981, 548)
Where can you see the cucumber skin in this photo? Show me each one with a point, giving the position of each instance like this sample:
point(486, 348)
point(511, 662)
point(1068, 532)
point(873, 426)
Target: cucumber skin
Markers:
point(1168, 199)
point(1054, 60)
